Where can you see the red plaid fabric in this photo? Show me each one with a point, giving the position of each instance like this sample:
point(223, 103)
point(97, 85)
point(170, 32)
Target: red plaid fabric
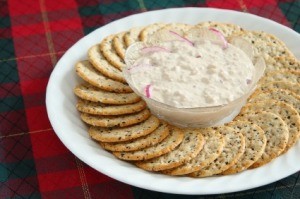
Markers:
point(34, 34)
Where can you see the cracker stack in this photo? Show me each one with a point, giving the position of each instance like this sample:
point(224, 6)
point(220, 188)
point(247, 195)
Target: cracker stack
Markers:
point(267, 126)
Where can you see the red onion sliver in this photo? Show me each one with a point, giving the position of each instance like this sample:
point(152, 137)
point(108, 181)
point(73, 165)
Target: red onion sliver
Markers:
point(221, 37)
point(153, 49)
point(182, 38)
point(249, 81)
point(147, 90)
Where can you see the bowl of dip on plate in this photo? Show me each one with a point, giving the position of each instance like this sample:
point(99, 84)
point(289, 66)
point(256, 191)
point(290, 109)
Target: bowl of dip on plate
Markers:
point(193, 81)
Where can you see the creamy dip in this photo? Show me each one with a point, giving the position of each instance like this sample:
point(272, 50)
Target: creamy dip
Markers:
point(186, 76)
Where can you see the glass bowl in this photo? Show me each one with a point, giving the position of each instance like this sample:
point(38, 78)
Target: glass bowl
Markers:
point(197, 116)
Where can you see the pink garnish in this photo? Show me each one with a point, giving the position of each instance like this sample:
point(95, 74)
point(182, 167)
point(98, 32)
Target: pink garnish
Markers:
point(221, 36)
point(153, 49)
point(182, 38)
point(147, 90)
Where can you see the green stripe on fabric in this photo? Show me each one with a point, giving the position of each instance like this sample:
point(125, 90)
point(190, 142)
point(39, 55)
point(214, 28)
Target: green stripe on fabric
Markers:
point(34, 195)
point(195, 1)
point(7, 49)
point(150, 5)
point(117, 7)
point(20, 169)
point(11, 104)
point(291, 11)
point(134, 5)
point(89, 11)
point(142, 4)
point(8, 71)
point(89, 30)
point(4, 22)
point(111, 8)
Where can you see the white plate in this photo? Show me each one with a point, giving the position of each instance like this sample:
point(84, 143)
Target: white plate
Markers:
point(66, 122)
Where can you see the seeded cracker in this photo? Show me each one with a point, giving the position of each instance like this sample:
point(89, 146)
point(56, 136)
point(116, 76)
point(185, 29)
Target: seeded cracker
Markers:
point(118, 121)
point(276, 132)
point(149, 30)
point(191, 145)
point(286, 85)
point(110, 53)
point(168, 32)
point(97, 108)
point(91, 93)
point(225, 29)
point(119, 44)
point(101, 64)
point(213, 147)
point(117, 134)
point(281, 75)
point(270, 50)
point(87, 72)
point(232, 151)
point(280, 95)
point(256, 36)
point(255, 145)
point(266, 45)
point(286, 112)
point(151, 139)
point(179, 28)
point(132, 35)
point(282, 63)
point(167, 145)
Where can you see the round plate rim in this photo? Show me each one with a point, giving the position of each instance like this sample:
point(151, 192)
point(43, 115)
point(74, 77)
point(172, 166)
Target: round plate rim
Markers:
point(52, 102)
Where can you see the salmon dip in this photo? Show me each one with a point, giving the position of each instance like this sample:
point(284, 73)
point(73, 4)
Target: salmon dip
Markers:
point(190, 75)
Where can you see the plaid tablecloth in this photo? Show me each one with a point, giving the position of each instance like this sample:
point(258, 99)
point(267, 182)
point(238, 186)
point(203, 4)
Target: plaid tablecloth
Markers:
point(34, 34)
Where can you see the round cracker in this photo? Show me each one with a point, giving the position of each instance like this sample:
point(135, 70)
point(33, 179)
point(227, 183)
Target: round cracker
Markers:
point(257, 36)
point(179, 28)
point(266, 45)
point(97, 108)
point(270, 50)
point(281, 75)
point(282, 63)
point(149, 30)
point(101, 64)
point(277, 94)
point(232, 151)
point(132, 35)
point(213, 147)
point(87, 72)
point(225, 28)
point(169, 32)
point(110, 53)
point(276, 132)
point(91, 93)
point(255, 145)
point(286, 85)
point(119, 44)
point(167, 145)
point(151, 139)
point(126, 133)
point(189, 148)
point(115, 121)
point(286, 112)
